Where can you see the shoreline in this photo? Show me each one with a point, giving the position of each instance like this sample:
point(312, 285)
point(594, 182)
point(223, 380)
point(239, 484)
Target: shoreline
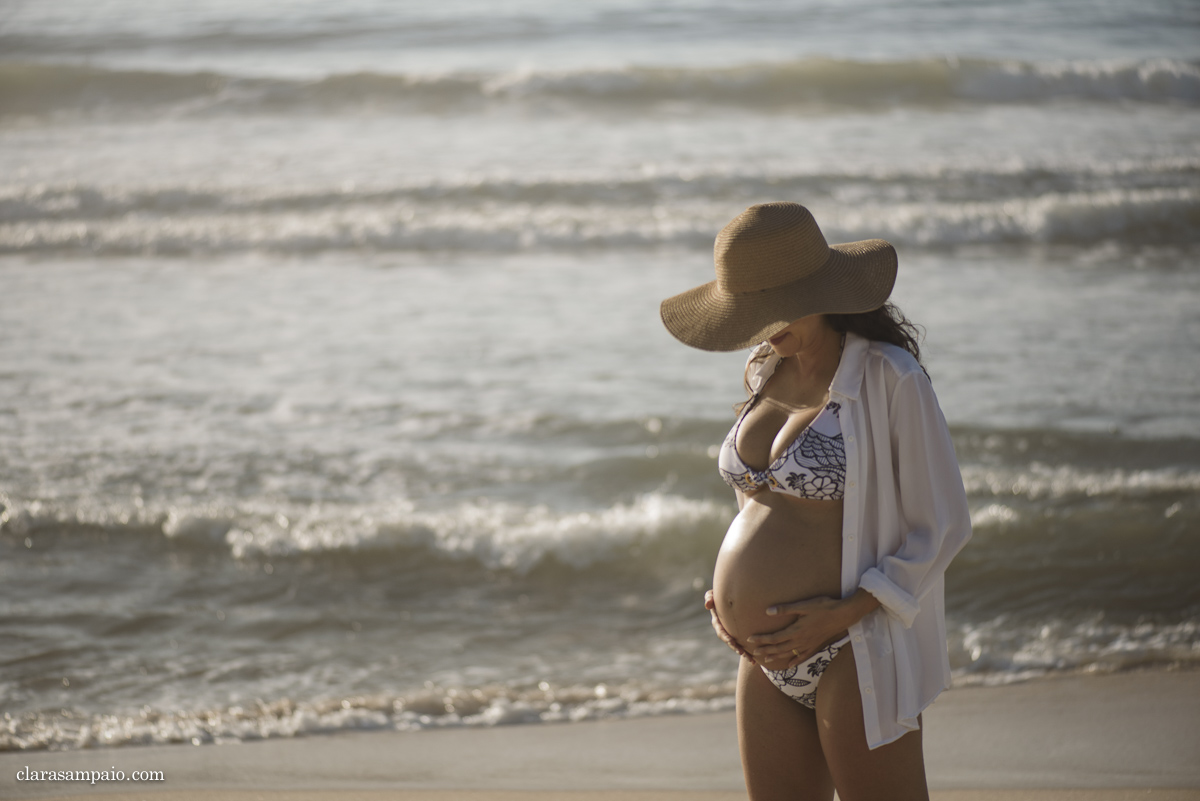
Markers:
point(1062, 738)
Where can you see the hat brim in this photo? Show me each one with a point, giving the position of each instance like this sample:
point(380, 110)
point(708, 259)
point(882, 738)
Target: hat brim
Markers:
point(857, 277)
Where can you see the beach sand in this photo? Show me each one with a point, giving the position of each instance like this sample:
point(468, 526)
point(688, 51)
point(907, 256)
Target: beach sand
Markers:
point(1107, 738)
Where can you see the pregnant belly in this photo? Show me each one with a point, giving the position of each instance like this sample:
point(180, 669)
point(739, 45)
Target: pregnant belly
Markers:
point(777, 550)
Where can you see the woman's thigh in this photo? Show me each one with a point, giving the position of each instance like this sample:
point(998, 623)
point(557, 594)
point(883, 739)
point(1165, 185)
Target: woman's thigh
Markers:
point(781, 749)
point(892, 772)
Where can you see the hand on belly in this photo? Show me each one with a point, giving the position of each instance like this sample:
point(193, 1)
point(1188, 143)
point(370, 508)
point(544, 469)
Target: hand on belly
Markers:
point(816, 624)
point(775, 662)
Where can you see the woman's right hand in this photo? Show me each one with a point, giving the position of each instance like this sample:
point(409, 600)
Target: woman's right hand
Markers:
point(711, 605)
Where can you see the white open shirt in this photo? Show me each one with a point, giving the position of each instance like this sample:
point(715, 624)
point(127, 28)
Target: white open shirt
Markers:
point(904, 518)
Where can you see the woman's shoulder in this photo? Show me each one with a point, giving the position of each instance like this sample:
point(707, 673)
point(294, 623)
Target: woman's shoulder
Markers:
point(894, 355)
point(892, 359)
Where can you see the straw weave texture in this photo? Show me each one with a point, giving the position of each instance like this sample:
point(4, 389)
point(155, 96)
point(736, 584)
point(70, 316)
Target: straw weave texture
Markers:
point(774, 267)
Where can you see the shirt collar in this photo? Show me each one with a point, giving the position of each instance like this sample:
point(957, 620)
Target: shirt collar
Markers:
point(848, 378)
point(760, 372)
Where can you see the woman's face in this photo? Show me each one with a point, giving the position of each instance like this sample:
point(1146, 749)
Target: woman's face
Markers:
point(807, 332)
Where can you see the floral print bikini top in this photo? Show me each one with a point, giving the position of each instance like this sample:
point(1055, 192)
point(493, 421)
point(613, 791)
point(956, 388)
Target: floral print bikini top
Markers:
point(814, 465)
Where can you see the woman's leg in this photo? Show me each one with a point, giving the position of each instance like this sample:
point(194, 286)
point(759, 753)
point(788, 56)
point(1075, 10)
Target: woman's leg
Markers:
point(892, 772)
point(781, 750)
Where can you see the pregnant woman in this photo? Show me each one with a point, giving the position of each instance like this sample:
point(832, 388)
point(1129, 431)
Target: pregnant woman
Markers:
point(829, 581)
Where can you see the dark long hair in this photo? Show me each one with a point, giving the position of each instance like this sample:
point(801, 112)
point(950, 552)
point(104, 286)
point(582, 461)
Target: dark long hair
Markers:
point(885, 324)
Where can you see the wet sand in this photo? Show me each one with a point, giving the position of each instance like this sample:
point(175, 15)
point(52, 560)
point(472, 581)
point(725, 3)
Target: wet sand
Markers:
point(1107, 738)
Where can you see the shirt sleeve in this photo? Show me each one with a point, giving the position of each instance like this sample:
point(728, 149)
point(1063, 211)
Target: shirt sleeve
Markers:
point(933, 502)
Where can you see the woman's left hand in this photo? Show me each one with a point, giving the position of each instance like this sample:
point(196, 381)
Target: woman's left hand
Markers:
point(818, 621)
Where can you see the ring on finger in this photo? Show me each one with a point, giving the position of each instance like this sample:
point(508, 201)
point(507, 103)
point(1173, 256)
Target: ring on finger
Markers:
point(794, 651)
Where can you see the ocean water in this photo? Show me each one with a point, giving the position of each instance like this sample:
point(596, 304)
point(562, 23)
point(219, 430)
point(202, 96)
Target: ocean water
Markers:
point(333, 394)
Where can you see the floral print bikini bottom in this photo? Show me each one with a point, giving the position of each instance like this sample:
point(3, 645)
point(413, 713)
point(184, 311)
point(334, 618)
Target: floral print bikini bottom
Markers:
point(800, 681)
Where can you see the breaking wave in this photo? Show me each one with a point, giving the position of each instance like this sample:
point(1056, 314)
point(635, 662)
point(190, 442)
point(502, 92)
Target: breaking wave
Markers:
point(494, 535)
point(31, 88)
point(1157, 204)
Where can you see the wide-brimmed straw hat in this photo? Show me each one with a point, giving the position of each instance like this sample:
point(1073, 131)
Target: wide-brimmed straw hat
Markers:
point(774, 267)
